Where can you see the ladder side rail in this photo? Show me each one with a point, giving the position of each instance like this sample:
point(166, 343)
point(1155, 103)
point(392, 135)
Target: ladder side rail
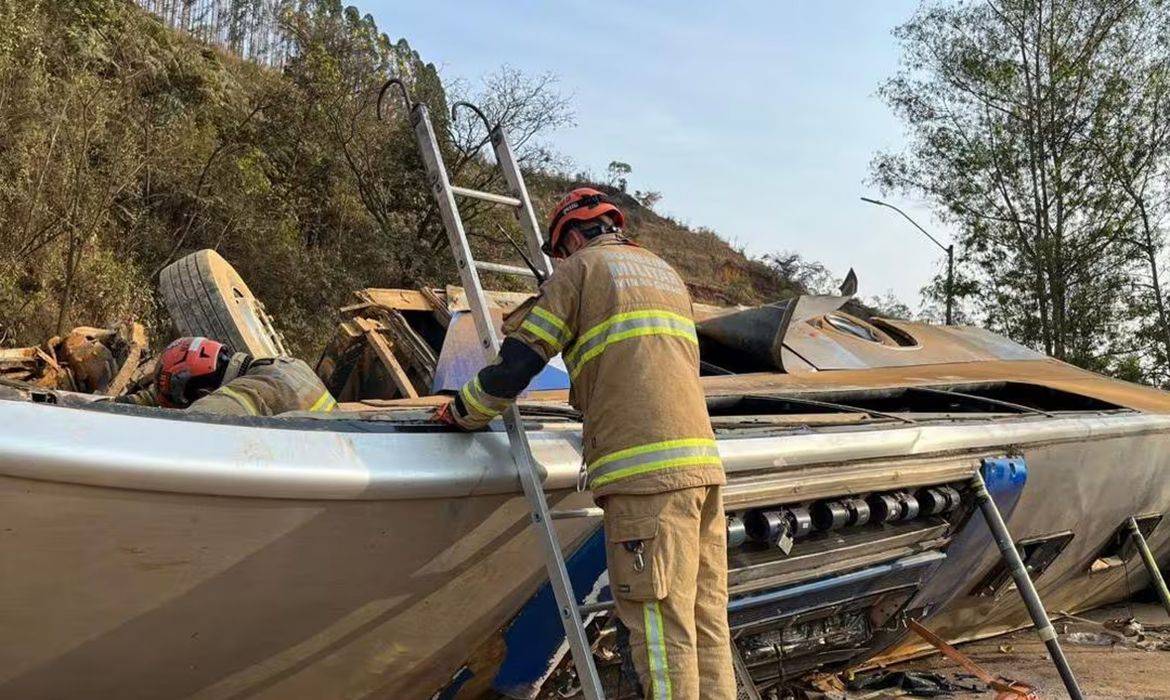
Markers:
point(453, 223)
point(517, 437)
point(578, 639)
point(526, 214)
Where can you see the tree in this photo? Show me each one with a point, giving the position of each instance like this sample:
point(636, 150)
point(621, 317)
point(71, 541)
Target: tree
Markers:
point(808, 276)
point(648, 198)
point(889, 305)
point(1007, 104)
point(125, 145)
point(1137, 159)
point(528, 108)
point(618, 172)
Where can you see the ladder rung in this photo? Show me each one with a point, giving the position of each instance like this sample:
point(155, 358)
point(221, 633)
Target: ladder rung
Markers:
point(576, 513)
point(504, 269)
point(486, 196)
point(590, 608)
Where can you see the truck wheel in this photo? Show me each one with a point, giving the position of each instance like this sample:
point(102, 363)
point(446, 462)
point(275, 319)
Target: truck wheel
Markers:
point(206, 296)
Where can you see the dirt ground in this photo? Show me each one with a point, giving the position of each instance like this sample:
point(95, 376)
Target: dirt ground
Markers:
point(1116, 671)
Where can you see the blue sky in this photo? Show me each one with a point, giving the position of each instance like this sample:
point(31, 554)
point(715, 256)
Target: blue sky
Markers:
point(756, 119)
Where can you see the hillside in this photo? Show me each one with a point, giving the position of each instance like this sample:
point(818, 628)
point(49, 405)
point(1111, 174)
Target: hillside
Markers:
point(125, 145)
point(716, 272)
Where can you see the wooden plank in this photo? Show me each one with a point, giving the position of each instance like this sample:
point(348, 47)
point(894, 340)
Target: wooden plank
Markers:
point(135, 337)
point(356, 307)
point(419, 355)
point(401, 299)
point(438, 307)
point(386, 355)
point(368, 325)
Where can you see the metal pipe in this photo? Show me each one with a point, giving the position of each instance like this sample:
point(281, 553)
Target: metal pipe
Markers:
point(950, 283)
point(599, 606)
point(1007, 548)
point(1151, 563)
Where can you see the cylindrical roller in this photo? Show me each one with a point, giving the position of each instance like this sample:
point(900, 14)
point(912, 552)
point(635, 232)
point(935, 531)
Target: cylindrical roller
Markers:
point(736, 531)
point(884, 507)
point(801, 521)
point(858, 511)
point(954, 498)
point(933, 501)
point(830, 515)
point(910, 507)
point(765, 526)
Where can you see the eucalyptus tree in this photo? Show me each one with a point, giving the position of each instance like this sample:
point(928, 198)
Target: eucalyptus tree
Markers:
point(1015, 111)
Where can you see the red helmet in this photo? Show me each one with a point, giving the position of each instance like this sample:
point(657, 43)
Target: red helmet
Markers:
point(582, 204)
point(188, 369)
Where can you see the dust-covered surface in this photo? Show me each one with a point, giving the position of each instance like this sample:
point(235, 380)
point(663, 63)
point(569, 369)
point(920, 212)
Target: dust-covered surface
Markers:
point(1106, 666)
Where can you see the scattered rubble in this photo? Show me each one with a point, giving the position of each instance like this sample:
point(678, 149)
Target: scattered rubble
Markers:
point(1116, 632)
point(91, 360)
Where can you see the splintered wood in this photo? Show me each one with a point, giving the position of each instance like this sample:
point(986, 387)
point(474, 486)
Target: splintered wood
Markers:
point(387, 344)
point(94, 360)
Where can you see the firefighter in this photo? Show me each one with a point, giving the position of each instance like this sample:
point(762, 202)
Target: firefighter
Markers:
point(621, 319)
point(201, 374)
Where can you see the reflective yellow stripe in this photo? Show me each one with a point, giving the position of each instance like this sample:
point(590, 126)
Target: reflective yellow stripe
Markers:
point(472, 393)
point(241, 399)
point(628, 316)
point(325, 403)
point(546, 326)
point(623, 326)
point(475, 405)
point(656, 651)
point(657, 456)
point(617, 337)
point(551, 318)
point(651, 447)
point(540, 333)
point(677, 463)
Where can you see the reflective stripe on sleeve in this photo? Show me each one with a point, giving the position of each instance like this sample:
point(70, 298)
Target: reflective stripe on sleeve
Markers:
point(619, 327)
point(546, 326)
point(478, 400)
point(241, 399)
point(656, 651)
point(669, 454)
point(324, 404)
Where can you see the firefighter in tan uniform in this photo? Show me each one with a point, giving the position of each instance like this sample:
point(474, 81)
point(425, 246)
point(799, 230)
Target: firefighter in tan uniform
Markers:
point(621, 319)
point(200, 374)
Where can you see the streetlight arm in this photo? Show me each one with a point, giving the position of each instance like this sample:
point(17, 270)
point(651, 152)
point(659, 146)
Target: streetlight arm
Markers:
point(948, 249)
point(907, 217)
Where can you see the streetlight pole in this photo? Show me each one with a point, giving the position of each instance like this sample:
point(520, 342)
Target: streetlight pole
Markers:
point(948, 249)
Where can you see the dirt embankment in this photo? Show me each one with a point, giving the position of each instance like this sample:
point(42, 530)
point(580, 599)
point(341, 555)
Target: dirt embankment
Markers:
point(716, 271)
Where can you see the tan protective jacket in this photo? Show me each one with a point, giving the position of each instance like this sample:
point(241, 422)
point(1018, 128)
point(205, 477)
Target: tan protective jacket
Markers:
point(621, 318)
point(270, 387)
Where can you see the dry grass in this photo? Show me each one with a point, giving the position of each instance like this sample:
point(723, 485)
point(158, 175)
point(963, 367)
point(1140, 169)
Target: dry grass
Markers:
point(715, 271)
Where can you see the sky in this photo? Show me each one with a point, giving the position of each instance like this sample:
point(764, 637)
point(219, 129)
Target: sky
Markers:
point(755, 119)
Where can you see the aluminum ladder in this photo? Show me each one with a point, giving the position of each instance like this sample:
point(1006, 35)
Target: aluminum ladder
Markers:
point(469, 268)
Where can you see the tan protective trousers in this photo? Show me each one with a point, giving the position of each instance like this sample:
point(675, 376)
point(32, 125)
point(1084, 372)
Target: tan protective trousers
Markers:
point(667, 559)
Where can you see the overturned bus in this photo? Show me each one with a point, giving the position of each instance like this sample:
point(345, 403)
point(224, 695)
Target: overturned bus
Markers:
point(369, 552)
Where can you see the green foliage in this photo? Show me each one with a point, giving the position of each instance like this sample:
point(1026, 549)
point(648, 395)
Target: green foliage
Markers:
point(1024, 133)
point(125, 145)
point(618, 173)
